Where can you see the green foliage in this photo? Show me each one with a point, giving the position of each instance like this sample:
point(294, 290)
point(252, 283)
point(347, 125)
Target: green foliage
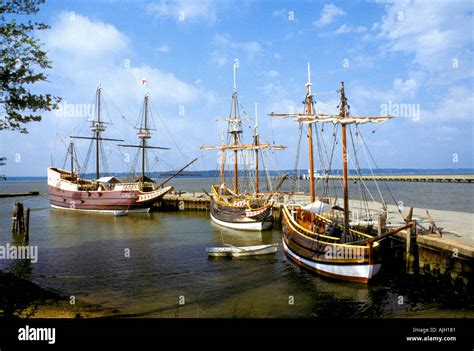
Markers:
point(22, 63)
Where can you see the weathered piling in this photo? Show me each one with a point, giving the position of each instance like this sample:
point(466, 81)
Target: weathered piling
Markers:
point(21, 221)
point(15, 218)
point(18, 218)
point(27, 225)
point(411, 250)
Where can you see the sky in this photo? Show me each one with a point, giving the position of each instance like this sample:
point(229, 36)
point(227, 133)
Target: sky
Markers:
point(411, 59)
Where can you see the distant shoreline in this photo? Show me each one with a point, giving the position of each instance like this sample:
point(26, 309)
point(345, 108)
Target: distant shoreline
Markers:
point(213, 174)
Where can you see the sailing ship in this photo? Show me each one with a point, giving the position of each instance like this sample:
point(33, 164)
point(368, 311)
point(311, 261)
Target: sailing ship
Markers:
point(315, 236)
point(107, 194)
point(229, 207)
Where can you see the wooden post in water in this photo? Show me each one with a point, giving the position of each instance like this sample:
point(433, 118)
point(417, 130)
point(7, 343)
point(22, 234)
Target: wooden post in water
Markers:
point(382, 222)
point(20, 217)
point(21, 220)
point(411, 251)
point(27, 226)
point(15, 218)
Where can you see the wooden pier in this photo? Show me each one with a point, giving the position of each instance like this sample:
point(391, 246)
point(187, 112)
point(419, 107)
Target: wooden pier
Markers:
point(434, 178)
point(185, 201)
point(30, 193)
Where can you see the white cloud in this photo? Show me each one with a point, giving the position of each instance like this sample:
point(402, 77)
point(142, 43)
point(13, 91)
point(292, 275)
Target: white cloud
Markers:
point(328, 14)
point(251, 48)
point(164, 49)
point(76, 34)
point(370, 100)
point(348, 29)
point(185, 10)
point(434, 33)
point(218, 58)
point(227, 47)
point(80, 58)
point(272, 73)
point(454, 106)
point(437, 38)
point(280, 12)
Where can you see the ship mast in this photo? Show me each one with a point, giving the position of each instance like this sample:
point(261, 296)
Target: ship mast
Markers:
point(256, 142)
point(235, 131)
point(222, 169)
point(343, 115)
point(300, 117)
point(234, 128)
point(97, 127)
point(309, 110)
point(144, 133)
point(343, 118)
point(71, 151)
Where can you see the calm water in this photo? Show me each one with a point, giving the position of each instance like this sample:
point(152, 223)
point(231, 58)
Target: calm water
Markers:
point(84, 255)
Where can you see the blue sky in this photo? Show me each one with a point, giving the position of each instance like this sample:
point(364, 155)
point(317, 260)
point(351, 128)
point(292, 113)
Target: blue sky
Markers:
point(390, 54)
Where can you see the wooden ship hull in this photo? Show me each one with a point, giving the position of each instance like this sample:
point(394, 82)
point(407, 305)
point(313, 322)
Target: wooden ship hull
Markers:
point(85, 195)
point(314, 242)
point(237, 214)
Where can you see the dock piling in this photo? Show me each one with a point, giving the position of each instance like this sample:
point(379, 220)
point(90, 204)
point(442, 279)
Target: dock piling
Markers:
point(21, 221)
point(27, 226)
point(411, 253)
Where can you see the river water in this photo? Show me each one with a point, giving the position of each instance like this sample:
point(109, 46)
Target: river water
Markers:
point(155, 265)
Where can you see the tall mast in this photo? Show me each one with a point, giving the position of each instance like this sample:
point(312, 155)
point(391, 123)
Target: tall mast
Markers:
point(97, 128)
point(71, 150)
point(309, 110)
point(97, 134)
point(222, 170)
point(343, 114)
point(144, 135)
point(256, 143)
point(235, 133)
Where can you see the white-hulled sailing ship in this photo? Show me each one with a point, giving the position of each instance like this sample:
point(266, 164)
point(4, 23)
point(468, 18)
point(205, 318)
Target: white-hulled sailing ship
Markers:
point(316, 236)
point(229, 207)
point(69, 191)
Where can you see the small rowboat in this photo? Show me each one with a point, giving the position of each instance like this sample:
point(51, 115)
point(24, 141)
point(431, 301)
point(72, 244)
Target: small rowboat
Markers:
point(234, 251)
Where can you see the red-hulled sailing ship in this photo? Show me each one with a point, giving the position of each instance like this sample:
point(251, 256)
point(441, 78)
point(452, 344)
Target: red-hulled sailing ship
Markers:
point(69, 191)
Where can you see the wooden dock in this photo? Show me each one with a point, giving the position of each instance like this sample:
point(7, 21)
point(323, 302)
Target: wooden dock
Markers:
point(30, 193)
point(429, 178)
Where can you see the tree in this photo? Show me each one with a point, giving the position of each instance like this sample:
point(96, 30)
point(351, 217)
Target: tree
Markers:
point(22, 63)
